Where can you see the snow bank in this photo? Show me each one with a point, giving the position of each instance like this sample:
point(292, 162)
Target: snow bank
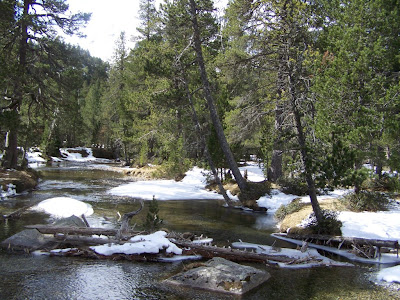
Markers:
point(275, 200)
point(254, 171)
point(390, 274)
point(140, 244)
point(63, 207)
point(191, 187)
point(371, 225)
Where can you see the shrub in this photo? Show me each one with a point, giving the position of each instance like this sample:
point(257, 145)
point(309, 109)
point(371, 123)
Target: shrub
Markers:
point(290, 208)
point(153, 221)
point(295, 186)
point(330, 225)
point(255, 190)
point(173, 170)
point(366, 201)
point(385, 183)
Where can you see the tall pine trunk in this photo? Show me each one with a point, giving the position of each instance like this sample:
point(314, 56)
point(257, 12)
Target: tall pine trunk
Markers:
point(306, 159)
point(210, 101)
point(11, 156)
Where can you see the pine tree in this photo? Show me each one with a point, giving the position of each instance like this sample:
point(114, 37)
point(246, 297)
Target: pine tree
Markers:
point(32, 30)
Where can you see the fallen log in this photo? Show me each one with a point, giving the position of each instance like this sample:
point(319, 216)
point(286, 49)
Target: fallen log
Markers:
point(49, 229)
point(228, 253)
point(345, 240)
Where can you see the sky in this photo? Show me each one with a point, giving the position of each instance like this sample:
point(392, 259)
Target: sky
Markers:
point(109, 19)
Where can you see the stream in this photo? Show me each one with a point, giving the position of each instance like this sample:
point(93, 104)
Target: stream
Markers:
point(26, 276)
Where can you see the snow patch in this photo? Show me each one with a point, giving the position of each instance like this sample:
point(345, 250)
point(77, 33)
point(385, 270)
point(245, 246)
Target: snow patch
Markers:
point(390, 274)
point(11, 191)
point(151, 243)
point(63, 207)
point(191, 187)
point(371, 225)
point(70, 154)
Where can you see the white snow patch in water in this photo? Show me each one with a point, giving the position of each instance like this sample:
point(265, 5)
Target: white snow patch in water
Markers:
point(63, 207)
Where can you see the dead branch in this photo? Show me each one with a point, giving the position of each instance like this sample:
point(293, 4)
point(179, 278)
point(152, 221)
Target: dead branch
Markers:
point(126, 218)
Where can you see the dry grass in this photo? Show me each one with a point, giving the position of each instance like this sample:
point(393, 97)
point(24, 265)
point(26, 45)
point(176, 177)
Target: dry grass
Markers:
point(145, 173)
point(294, 219)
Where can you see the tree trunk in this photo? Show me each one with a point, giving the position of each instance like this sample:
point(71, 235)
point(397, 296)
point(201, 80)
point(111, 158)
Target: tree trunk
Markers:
point(210, 101)
point(275, 169)
point(306, 161)
point(10, 160)
point(11, 156)
point(222, 190)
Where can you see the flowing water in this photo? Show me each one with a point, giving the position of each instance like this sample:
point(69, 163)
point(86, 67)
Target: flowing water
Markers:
point(25, 276)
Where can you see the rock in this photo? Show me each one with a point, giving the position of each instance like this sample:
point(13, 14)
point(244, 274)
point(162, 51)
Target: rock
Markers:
point(32, 239)
point(26, 240)
point(221, 275)
point(72, 221)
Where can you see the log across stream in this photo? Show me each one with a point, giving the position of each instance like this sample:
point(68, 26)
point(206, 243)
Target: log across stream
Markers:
point(82, 241)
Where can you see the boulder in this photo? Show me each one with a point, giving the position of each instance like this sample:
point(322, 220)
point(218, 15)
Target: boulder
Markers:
point(27, 240)
point(72, 221)
point(221, 275)
point(32, 239)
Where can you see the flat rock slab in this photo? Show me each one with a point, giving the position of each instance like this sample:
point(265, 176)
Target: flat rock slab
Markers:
point(221, 275)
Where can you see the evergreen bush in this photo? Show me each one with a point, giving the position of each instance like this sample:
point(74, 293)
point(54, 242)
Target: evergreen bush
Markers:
point(330, 225)
point(290, 208)
point(295, 186)
point(366, 201)
point(385, 183)
point(153, 221)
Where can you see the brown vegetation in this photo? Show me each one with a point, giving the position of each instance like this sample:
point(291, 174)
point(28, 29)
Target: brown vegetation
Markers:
point(23, 180)
point(294, 219)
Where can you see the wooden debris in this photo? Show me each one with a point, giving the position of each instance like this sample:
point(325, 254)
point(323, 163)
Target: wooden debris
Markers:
point(229, 253)
point(345, 240)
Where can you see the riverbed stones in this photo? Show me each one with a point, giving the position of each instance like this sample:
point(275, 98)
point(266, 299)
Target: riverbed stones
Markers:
point(221, 275)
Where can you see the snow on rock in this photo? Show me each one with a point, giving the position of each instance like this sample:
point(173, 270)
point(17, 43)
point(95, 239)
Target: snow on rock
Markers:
point(75, 154)
point(140, 244)
point(191, 187)
point(389, 274)
point(63, 207)
point(34, 157)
